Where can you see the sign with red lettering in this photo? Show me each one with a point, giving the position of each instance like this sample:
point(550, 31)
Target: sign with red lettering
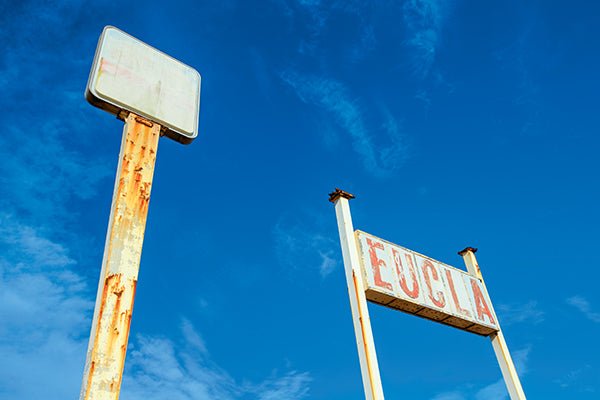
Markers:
point(411, 282)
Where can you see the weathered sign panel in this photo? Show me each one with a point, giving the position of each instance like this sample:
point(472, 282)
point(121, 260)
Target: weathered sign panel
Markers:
point(127, 74)
point(411, 282)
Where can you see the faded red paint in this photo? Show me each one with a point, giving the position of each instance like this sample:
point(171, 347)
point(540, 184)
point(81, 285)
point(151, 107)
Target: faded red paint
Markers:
point(438, 291)
point(111, 68)
point(460, 310)
point(377, 264)
point(437, 299)
point(414, 291)
point(480, 304)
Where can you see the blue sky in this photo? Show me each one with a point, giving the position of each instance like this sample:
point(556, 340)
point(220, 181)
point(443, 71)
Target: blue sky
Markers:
point(455, 123)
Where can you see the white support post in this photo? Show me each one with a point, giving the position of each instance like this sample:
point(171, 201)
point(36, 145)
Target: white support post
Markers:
point(120, 265)
point(513, 384)
point(358, 302)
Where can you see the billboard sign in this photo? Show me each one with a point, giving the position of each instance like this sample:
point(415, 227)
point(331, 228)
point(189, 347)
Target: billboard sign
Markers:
point(130, 75)
point(405, 280)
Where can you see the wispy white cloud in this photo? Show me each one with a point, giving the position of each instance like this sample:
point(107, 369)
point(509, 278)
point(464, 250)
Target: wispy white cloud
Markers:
point(393, 155)
point(45, 304)
point(424, 20)
point(328, 263)
point(521, 312)
point(449, 396)
point(316, 13)
point(300, 244)
point(25, 244)
point(584, 379)
point(336, 100)
point(164, 369)
point(158, 368)
point(422, 24)
point(44, 309)
point(497, 390)
point(585, 307)
point(313, 20)
point(365, 44)
point(44, 173)
point(494, 391)
point(192, 337)
point(40, 168)
point(291, 386)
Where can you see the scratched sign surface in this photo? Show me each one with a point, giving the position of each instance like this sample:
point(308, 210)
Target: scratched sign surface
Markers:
point(411, 282)
point(127, 74)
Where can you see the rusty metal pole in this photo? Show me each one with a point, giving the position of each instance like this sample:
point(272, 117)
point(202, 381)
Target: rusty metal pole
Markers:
point(367, 355)
point(509, 372)
point(120, 265)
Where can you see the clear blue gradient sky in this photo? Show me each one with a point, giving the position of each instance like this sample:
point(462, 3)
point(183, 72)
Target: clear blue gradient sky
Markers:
point(454, 122)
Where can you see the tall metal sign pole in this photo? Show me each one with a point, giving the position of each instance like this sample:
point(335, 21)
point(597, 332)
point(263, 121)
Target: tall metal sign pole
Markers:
point(369, 367)
point(156, 95)
point(509, 373)
point(120, 264)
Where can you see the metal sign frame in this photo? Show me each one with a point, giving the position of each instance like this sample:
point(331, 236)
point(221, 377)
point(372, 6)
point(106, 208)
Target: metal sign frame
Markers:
point(360, 313)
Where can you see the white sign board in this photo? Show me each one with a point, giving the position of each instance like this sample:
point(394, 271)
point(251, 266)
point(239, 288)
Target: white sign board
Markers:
point(411, 282)
point(127, 74)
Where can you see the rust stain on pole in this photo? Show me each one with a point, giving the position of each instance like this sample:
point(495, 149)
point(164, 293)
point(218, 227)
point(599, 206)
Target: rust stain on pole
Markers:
point(116, 291)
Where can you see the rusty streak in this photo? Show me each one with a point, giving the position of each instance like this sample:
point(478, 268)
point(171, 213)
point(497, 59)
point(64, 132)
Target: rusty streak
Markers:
point(116, 292)
point(363, 335)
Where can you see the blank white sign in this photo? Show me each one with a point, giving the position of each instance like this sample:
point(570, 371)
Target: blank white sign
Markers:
point(128, 74)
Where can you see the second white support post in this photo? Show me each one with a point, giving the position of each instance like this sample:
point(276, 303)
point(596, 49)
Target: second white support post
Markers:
point(358, 302)
point(509, 372)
